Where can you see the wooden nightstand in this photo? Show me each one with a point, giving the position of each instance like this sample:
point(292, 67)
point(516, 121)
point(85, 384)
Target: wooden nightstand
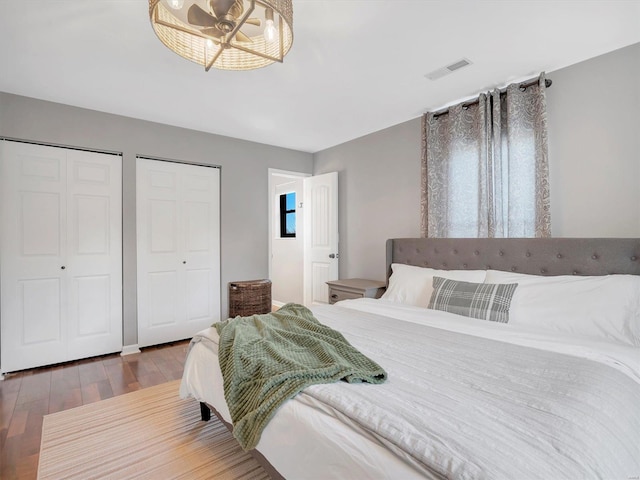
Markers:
point(354, 288)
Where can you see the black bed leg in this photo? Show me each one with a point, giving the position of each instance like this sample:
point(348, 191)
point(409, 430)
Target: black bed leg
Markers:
point(205, 412)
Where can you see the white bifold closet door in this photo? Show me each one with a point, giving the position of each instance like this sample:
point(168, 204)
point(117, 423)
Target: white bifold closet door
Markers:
point(178, 236)
point(61, 254)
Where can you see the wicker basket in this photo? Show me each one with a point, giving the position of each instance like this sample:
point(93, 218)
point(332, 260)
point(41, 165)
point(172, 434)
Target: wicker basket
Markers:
point(249, 297)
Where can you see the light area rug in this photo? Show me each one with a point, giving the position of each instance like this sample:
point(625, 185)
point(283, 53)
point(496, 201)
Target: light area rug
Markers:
point(150, 433)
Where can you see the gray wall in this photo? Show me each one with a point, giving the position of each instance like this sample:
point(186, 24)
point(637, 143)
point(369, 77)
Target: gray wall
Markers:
point(378, 195)
point(244, 211)
point(593, 111)
point(594, 153)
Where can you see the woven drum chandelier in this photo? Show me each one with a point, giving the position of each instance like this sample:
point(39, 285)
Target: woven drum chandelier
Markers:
point(225, 34)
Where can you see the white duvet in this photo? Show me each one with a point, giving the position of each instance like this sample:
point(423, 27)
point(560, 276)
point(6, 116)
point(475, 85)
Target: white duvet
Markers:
point(465, 399)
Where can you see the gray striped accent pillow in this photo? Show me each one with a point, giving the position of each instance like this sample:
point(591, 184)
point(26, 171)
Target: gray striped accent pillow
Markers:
point(486, 301)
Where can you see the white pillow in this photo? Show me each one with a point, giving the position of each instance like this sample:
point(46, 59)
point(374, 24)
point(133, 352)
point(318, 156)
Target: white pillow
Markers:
point(414, 285)
point(603, 307)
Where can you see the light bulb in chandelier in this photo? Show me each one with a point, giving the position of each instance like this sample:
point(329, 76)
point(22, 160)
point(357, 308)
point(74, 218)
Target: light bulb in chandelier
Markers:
point(270, 32)
point(176, 4)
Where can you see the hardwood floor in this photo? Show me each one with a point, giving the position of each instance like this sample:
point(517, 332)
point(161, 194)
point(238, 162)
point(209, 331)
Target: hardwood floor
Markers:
point(25, 397)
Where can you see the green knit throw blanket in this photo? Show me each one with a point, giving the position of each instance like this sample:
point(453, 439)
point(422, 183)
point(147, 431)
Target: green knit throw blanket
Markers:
point(267, 359)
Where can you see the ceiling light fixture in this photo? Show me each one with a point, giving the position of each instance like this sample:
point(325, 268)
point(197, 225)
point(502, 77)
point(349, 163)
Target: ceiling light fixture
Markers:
point(225, 34)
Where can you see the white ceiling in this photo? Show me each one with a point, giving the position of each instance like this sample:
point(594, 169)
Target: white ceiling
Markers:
point(355, 66)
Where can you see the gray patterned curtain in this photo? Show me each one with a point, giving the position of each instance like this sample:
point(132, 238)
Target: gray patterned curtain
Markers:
point(485, 169)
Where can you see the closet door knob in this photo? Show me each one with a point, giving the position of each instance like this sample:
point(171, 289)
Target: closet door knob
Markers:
point(184, 261)
point(62, 267)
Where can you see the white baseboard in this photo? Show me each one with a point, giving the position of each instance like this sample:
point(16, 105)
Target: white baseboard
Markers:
point(277, 304)
point(129, 349)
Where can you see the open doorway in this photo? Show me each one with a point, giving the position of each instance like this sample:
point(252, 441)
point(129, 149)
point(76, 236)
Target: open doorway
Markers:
point(286, 236)
point(303, 236)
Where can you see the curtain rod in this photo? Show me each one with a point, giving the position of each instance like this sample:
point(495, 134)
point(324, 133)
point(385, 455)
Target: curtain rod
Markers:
point(522, 87)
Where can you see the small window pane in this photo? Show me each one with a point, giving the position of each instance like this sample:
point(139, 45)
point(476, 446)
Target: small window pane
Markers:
point(288, 215)
point(291, 201)
point(291, 223)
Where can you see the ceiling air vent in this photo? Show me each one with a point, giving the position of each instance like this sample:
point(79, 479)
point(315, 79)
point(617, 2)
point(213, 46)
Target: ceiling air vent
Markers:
point(441, 72)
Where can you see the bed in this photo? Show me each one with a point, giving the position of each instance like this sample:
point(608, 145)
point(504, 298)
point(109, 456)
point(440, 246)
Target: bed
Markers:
point(553, 392)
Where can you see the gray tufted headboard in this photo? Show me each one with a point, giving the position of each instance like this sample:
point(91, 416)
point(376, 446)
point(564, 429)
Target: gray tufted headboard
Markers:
point(538, 256)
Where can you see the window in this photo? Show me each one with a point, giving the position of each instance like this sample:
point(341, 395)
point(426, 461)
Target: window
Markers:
point(288, 215)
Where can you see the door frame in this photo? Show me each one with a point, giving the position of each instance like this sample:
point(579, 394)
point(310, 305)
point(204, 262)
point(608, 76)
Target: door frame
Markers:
point(275, 172)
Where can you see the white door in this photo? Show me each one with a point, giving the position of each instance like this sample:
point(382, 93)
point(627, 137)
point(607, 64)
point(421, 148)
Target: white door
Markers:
point(94, 253)
point(320, 236)
point(61, 269)
point(178, 231)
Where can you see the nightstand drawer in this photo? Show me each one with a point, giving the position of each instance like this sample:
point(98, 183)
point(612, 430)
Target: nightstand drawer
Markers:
point(351, 288)
point(336, 295)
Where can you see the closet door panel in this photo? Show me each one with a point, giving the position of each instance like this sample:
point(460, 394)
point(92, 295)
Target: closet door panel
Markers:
point(160, 296)
point(164, 289)
point(163, 231)
point(39, 220)
point(198, 293)
point(38, 326)
point(198, 230)
point(198, 223)
point(93, 304)
point(94, 267)
point(33, 233)
point(160, 270)
point(39, 310)
point(201, 220)
point(92, 214)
